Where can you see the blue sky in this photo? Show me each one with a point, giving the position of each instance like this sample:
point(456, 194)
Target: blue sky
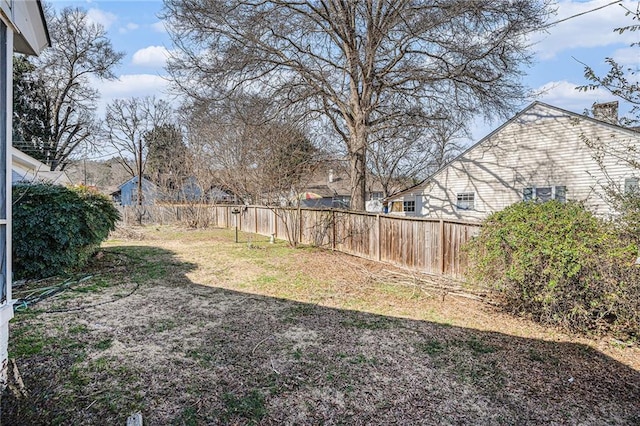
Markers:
point(135, 28)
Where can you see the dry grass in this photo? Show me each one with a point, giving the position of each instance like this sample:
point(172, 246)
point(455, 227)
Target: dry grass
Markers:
point(190, 328)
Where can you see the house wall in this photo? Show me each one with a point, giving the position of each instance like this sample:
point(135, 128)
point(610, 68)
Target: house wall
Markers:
point(541, 147)
point(22, 29)
point(6, 304)
point(129, 193)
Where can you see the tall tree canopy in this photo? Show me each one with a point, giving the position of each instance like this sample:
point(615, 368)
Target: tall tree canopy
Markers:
point(361, 65)
point(57, 117)
point(30, 117)
point(167, 155)
point(129, 125)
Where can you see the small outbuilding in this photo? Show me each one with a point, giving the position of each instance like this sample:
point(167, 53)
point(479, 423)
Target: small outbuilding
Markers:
point(127, 193)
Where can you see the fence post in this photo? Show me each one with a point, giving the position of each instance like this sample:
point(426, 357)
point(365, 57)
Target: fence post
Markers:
point(333, 226)
point(275, 223)
point(255, 213)
point(379, 238)
point(300, 226)
point(441, 248)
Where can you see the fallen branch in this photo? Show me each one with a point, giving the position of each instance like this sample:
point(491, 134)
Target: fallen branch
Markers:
point(259, 343)
point(20, 390)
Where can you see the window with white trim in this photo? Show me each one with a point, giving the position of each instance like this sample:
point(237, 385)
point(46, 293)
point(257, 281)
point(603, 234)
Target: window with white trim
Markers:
point(631, 185)
point(545, 193)
point(409, 206)
point(465, 201)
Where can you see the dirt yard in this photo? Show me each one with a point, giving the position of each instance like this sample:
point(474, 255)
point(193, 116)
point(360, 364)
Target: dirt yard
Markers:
point(189, 328)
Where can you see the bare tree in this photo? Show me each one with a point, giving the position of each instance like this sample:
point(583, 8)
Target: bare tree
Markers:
point(445, 139)
point(80, 50)
point(402, 155)
point(128, 123)
point(623, 83)
point(239, 146)
point(361, 65)
point(227, 137)
point(258, 157)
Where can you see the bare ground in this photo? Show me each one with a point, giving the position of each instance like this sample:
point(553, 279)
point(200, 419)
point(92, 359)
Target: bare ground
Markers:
point(189, 328)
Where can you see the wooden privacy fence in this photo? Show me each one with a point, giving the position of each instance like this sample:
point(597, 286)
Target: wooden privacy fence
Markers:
point(426, 245)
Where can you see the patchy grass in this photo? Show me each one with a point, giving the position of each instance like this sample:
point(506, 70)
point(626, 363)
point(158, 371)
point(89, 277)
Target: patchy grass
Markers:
point(190, 328)
point(250, 407)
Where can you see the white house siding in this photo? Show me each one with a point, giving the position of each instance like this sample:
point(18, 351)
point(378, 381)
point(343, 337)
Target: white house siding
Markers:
point(543, 146)
point(23, 30)
point(25, 168)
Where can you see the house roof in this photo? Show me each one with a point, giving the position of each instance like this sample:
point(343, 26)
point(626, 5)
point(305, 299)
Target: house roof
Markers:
point(25, 168)
point(133, 180)
point(420, 185)
point(340, 184)
point(32, 36)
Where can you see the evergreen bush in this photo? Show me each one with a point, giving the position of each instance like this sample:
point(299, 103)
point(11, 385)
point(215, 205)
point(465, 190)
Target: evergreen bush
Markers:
point(56, 228)
point(561, 265)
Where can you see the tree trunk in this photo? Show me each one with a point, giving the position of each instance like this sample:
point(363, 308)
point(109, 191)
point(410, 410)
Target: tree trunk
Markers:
point(140, 173)
point(358, 167)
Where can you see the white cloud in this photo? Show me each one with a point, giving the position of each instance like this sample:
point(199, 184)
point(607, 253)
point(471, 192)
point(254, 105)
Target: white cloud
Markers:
point(159, 27)
point(129, 27)
point(593, 29)
point(97, 16)
point(130, 85)
point(629, 56)
point(152, 56)
point(563, 94)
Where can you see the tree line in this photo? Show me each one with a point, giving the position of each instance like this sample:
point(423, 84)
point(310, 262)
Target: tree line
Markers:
point(271, 89)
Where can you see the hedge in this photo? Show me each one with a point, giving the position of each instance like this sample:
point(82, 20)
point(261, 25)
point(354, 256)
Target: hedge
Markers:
point(56, 229)
point(561, 265)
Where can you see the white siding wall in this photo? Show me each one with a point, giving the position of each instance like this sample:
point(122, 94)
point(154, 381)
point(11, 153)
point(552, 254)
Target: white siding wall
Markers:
point(23, 18)
point(541, 147)
point(6, 305)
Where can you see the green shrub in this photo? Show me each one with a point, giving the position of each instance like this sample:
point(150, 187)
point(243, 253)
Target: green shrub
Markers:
point(629, 219)
point(561, 265)
point(57, 228)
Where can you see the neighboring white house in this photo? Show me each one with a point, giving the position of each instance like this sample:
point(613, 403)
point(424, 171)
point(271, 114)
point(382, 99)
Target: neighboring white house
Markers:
point(22, 29)
point(25, 168)
point(540, 154)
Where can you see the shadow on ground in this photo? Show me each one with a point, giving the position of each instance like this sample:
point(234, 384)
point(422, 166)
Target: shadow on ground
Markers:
point(183, 353)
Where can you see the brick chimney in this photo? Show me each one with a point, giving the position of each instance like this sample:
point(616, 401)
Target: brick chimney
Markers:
point(607, 112)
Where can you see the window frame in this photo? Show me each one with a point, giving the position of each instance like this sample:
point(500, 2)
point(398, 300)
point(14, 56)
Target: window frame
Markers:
point(409, 206)
point(466, 197)
point(631, 186)
point(375, 195)
point(558, 193)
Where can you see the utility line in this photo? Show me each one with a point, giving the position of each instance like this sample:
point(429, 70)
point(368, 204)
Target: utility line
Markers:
point(580, 14)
